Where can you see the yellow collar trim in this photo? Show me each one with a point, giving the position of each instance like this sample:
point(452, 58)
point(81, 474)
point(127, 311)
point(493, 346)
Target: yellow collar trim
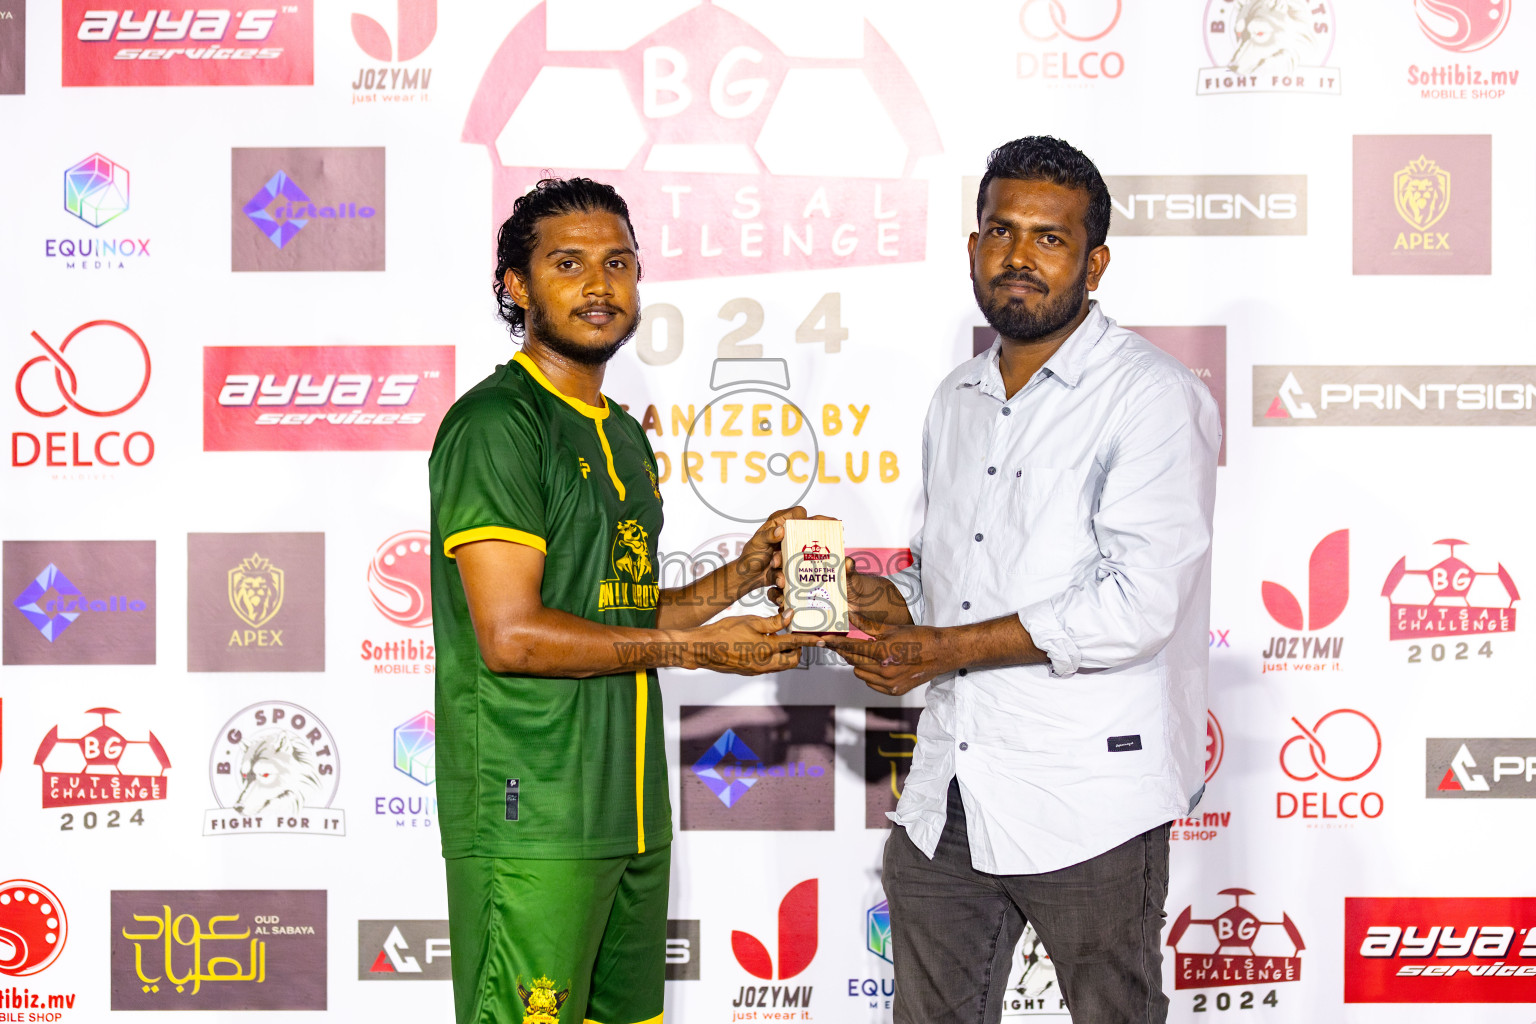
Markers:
point(590, 411)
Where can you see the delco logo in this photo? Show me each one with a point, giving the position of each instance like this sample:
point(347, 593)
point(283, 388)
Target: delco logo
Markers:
point(297, 398)
point(734, 157)
point(1258, 957)
point(1440, 950)
point(109, 44)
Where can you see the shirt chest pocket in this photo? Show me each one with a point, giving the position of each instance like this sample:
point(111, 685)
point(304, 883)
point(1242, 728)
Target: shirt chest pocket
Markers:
point(1044, 512)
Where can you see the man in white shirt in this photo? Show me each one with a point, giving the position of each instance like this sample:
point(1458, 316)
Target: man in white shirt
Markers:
point(1060, 603)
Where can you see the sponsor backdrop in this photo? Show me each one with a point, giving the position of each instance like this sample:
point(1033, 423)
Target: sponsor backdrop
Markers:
point(249, 266)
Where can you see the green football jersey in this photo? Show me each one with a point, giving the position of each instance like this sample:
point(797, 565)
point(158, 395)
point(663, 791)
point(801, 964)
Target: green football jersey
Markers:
point(540, 767)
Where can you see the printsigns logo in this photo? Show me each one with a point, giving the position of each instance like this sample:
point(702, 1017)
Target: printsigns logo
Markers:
point(1479, 769)
point(1450, 598)
point(403, 951)
point(1268, 46)
point(1209, 204)
point(238, 949)
point(1343, 745)
point(1440, 950)
point(256, 602)
point(34, 928)
point(1394, 396)
point(797, 939)
point(330, 398)
point(96, 190)
point(102, 767)
point(106, 43)
point(1404, 182)
point(100, 612)
point(1269, 957)
point(736, 158)
point(683, 949)
point(334, 195)
point(275, 766)
point(757, 768)
point(890, 736)
point(13, 49)
point(399, 579)
point(1462, 26)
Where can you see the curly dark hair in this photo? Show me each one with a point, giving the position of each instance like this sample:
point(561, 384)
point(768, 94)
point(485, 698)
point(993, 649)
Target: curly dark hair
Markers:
point(1043, 158)
point(518, 236)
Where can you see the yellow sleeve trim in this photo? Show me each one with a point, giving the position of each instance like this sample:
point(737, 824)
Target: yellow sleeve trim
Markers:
point(493, 533)
point(652, 1020)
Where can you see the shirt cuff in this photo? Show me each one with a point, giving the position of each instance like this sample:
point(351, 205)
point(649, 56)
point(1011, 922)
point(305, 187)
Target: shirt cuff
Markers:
point(1044, 627)
point(909, 584)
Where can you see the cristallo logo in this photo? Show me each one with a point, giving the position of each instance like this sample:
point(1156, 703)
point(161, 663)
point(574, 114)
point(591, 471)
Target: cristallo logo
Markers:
point(256, 590)
point(734, 156)
point(1422, 193)
point(633, 584)
point(541, 1003)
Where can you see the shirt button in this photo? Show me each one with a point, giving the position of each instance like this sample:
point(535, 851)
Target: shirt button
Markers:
point(964, 671)
point(1018, 472)
point(966, 605)
point(965, 746)
point(978, 537)
point(1007, 411)
point(991, 471)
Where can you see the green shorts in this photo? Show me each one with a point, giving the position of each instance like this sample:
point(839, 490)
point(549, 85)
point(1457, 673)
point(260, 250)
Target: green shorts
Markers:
point(559, 941)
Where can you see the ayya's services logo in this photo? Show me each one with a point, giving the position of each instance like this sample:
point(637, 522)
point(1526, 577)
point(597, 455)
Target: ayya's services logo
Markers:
point(108, 42)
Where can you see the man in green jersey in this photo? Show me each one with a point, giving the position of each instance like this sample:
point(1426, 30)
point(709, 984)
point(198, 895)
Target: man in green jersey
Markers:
point(550, 623)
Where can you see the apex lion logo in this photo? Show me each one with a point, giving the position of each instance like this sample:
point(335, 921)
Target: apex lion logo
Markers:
point(541, 1003)
point(631, 552)
point(278, 774)
point(256, 590)
point(1278, 36)
point(1422, 193)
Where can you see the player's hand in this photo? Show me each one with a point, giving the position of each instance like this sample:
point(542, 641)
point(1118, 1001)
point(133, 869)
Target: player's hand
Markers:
point(776, 574)
point(760, 554)
point(747, 645)
point(896, 658)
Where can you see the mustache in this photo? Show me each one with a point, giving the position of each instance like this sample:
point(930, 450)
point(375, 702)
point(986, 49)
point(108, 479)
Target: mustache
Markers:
point(599, 307)
point(1019, 276)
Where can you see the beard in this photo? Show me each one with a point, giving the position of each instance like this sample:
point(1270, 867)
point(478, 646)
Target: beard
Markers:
point(542, 327)
point(1011, 318)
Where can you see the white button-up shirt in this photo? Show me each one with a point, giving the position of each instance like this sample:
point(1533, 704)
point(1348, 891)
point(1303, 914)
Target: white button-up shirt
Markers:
point(1082, 504)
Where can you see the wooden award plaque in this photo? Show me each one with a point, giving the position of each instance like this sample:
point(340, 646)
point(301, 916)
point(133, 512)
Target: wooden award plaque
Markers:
point(815, 586)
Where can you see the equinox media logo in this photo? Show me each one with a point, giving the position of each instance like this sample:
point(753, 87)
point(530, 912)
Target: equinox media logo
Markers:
point(96, 190)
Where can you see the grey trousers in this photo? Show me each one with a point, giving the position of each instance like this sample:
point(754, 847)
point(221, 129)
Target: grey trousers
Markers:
point(954, 929)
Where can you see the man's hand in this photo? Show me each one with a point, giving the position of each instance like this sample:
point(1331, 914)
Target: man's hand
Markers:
point(746, 645)
point(896, 658)
point(873, 597)
point(760, 555)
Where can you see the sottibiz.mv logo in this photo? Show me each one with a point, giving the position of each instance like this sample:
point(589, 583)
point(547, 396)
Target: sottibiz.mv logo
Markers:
point(1440, 950)
point(33, 930)
point(1327, 594)
point(1450, 598)
point(735, 157)
point(1248, 950)
point(797, 948)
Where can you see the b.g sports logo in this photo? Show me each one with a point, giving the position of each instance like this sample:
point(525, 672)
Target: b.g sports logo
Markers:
point(336, 398)
point(108, 43)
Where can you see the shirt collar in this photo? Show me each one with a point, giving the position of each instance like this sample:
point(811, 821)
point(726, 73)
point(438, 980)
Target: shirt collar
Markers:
point(1066, 363)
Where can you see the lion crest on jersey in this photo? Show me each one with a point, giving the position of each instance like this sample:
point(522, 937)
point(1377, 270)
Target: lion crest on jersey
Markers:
point(631, 553)
point(541, 1003)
